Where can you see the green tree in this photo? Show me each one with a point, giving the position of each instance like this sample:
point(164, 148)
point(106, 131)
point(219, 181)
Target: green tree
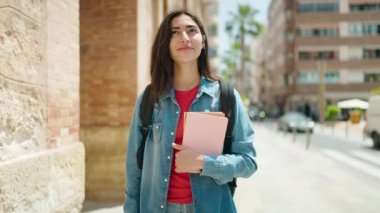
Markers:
point(241, 24)
point(332, 112)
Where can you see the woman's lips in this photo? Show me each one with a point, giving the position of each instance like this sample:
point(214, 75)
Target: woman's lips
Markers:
point(184, 48)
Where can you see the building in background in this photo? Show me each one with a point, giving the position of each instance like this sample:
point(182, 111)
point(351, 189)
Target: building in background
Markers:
point(256, 86)
point(274, 67)
point(210, 9)
point(338, 38)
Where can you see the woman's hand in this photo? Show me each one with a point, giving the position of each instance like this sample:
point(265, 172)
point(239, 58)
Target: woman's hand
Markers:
point(187, 160)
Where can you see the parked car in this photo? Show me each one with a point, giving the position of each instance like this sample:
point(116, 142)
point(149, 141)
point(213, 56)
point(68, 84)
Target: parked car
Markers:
point(256, 114)
point(372, 127)
point(295, 120)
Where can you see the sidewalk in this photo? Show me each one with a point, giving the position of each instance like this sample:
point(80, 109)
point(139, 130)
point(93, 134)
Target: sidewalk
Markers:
point(344, 130)
point(94, 207)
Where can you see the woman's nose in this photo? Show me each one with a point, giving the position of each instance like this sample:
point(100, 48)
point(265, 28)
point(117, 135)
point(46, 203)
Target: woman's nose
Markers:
point(184, 37)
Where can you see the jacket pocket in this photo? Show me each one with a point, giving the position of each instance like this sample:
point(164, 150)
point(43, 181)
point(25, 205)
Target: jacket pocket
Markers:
point(155, 132)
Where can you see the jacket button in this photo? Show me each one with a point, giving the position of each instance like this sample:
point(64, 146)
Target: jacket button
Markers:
point(162, 206)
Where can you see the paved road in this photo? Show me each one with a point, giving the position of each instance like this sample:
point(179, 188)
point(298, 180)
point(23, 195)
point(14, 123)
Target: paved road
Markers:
point(336, 174)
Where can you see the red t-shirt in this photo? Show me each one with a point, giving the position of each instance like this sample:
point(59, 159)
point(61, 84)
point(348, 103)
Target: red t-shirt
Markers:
point(179, 185)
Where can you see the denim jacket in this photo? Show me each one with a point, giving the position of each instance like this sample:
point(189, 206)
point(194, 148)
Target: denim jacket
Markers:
point(146, 189)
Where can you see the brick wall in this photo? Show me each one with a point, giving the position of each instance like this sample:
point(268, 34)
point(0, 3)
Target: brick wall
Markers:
point(108, 62)
point(108, 89)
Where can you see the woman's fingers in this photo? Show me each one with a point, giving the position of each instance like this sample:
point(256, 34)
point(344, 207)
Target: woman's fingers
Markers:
point(178, 147)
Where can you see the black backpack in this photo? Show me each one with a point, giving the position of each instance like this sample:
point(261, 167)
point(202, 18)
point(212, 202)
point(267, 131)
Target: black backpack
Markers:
point(227, 101)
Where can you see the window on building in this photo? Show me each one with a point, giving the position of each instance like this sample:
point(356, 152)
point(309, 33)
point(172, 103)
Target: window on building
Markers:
point(308, 78)
point(364, 7)
point(312, 77)
point(326, 55)
point(371, 53)
point(361, 29)
point(319, 32)
point(371, 29)
point(355, 30)
point(305, 32)
point(288, 79)
point(304, 55)
point(285, 79)
point(372, 77)
point(318, 7)
point(332, 77)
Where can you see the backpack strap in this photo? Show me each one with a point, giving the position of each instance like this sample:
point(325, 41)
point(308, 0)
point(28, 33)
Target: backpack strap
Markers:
point(146, 112)
point(227, 103)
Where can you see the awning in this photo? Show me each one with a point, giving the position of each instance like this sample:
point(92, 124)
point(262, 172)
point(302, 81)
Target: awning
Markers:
point(353, 104)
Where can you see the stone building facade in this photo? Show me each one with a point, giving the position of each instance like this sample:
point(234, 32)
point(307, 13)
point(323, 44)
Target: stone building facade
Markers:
point(41, 158)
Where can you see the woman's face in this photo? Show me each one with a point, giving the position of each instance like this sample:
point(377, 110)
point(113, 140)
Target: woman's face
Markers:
point(186, 42)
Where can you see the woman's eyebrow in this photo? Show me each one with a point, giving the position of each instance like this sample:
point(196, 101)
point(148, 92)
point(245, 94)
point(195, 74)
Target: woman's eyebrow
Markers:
point(187, 26)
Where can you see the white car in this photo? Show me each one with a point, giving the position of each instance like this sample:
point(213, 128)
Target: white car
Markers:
point(372, 128)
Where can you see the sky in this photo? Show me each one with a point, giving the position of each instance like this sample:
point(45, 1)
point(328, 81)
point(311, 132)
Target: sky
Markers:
point(231, 5)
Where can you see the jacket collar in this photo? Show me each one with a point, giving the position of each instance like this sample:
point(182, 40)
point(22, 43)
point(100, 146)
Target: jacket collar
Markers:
point(207, 86)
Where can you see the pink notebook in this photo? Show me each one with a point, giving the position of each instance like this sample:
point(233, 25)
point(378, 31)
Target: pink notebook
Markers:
point(204, 133)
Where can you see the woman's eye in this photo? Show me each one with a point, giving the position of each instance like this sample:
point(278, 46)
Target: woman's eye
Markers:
point(174, 32)
point(192, 31)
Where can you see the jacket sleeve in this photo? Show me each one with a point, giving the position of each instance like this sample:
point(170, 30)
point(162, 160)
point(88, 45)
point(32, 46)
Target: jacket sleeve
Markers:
point(242, 160)
point(133, 173)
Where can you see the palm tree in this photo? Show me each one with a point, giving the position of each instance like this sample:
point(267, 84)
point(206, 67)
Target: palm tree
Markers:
point(242, 24)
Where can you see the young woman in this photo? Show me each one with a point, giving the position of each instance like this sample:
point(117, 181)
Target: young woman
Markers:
point(173, 178)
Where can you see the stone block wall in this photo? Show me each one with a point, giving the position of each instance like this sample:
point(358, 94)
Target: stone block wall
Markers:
point(22, 78)
point(50, 180)
point(41, 158)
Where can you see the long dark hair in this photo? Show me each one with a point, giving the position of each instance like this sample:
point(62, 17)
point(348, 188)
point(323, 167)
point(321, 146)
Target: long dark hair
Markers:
point(161, 67)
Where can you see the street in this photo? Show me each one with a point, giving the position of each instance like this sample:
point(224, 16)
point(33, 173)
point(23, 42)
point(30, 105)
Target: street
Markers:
point(336, 174)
